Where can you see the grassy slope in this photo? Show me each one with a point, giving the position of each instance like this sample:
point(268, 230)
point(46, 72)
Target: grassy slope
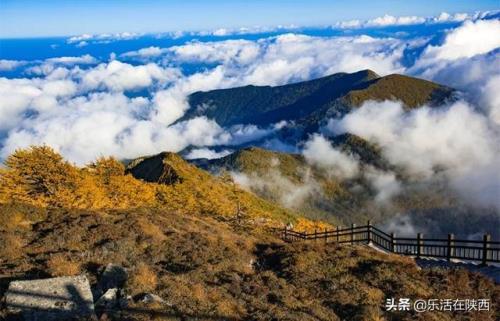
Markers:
point(411, 91)
point(206, 266)
point(210, 269)
point(330, 199)
point(182, 181)
point(274, 176)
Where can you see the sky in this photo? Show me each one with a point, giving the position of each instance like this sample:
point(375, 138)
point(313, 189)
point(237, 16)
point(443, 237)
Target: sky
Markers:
point(35, 18)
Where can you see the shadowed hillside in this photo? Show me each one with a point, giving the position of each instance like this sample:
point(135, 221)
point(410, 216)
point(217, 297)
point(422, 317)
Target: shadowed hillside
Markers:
point(263, 105)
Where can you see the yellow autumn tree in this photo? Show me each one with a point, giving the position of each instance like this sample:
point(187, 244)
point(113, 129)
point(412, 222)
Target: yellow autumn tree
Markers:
point(38, 175)
point(122, 190)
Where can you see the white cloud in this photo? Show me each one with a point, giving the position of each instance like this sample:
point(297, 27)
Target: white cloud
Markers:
point(285, 58)
point(241, 134)
point(220, 32)
point(8, 65)
point(319, 151)
point(102, 124)
point(288, 193)
point(470, 39)
point(446, 17)
point(82, 37)
point(21, 95)
point(207, 153)
point(81, 60)
point(118, 76)
point(389, 20)
point(385, 184)
point(462, 63)
point(85, 39)
point(491, 97)
point(239, 51)
point(145, 52)
point(350, 24)
point(456, 142)
point(292, 57)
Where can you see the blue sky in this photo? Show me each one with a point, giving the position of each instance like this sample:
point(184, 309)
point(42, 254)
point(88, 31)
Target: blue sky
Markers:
point(35, 18)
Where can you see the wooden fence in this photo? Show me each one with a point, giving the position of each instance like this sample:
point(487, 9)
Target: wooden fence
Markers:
point(483, 250)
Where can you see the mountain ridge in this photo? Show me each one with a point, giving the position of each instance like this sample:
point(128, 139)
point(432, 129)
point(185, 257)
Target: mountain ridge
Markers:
point(317, 98)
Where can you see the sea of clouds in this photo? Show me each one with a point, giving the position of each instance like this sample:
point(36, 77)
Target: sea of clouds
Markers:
point(128, 104)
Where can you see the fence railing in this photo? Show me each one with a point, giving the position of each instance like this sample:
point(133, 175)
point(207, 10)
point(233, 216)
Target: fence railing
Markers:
point(484, 250)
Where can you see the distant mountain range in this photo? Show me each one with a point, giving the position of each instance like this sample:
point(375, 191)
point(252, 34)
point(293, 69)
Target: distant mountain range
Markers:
point(287, 179)
point(307, 104)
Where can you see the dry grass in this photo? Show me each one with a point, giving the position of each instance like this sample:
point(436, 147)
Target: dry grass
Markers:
point(144, 279)
point(208, 267)
point(151, 230)
point(16, 221)
point(11, 246)
point(59, 265)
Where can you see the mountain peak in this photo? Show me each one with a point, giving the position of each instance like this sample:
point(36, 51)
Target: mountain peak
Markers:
point(412, 92)
point(161, 168)
point(264, 105)
point(368, 74)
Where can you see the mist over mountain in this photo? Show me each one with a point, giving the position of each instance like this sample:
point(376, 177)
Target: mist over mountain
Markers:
point(307, 105)
point(381, 109)
point(342, 174)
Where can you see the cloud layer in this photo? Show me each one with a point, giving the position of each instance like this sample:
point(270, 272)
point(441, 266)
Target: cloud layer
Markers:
point(86, 106)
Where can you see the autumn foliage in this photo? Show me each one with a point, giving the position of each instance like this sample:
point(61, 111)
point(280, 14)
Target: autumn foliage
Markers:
point(40, 177)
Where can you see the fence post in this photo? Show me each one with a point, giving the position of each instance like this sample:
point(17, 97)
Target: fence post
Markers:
point(451, 249)
point(393, 242)
point(369, 231)
point(419, 245)
point(352, 233)
point(486, 245)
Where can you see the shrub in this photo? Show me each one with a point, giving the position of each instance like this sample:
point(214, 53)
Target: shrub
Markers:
point(150, 230)
point(59, 265)
point(144, 279)
point(10, 246)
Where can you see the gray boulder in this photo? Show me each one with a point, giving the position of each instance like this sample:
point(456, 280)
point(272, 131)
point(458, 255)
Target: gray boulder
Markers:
point(150, 298)
point(51, 299)
point(108, 300)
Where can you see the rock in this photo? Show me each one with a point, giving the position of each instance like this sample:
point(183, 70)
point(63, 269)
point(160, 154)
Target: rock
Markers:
point(251, 264)
point(150, 298)
point(113, 276)
point(108, 300)
point(124, 301)
point(51, 299)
